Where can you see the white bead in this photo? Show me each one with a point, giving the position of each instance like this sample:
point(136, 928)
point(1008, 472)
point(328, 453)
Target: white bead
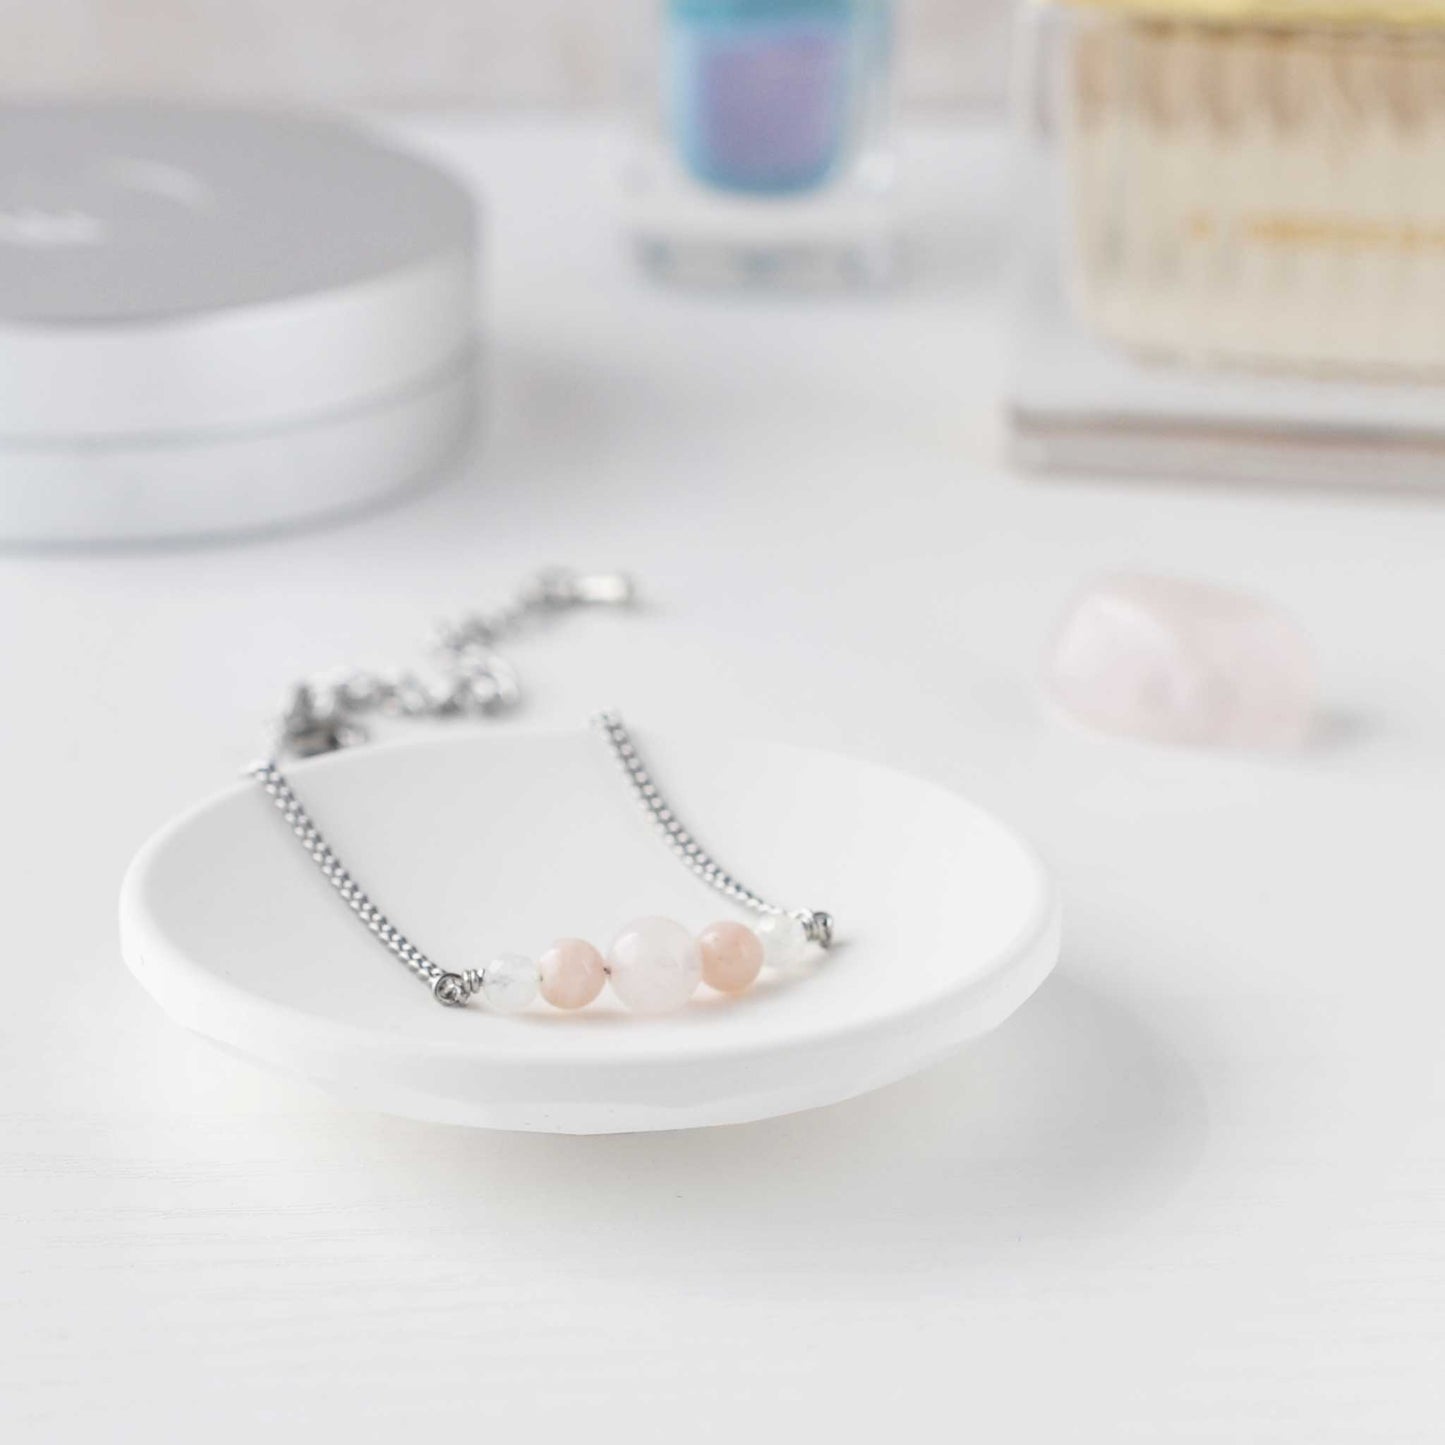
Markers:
point(785, 942)
point(510, 982)
point(655, 965)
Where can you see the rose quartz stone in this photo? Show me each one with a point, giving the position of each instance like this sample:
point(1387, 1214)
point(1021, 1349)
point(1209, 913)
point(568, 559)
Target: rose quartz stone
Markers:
point(573, 973)
point(655, 965)
point(1183, 662)
point(732, 956)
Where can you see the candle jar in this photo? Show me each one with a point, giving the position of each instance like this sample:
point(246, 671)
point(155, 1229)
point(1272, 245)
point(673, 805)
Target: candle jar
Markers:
point(1233, 223)
point(762, 151)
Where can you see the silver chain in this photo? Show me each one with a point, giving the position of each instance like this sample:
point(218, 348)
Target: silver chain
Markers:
point(819, 926)
point(447, 987)
point(470, 678)
point(322, 719)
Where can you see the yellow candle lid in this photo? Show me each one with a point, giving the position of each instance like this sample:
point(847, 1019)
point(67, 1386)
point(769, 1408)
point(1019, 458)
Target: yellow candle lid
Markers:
point(1395, 14)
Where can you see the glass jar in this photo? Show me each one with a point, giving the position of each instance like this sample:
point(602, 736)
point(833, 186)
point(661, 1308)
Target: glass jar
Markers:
point(1258, 182)
point(1233, 215)
point(762, 151)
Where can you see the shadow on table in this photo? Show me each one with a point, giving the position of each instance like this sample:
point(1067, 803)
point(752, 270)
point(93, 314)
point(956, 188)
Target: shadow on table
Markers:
point(1074, 1119)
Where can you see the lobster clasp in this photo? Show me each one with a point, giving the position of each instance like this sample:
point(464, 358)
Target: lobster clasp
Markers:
point(309, 729)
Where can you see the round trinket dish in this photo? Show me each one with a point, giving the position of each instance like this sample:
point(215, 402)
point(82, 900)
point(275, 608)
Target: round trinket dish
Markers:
point(214, 321)
point(489, 842)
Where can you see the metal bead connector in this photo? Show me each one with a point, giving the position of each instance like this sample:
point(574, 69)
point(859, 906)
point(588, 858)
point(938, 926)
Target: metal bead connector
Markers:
point(451, 989)
point(818, 926)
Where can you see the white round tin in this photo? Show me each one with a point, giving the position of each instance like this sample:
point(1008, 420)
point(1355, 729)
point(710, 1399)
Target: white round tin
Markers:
point(217, 320)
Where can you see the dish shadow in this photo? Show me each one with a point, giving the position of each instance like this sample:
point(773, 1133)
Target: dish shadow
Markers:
point(1076, 1116)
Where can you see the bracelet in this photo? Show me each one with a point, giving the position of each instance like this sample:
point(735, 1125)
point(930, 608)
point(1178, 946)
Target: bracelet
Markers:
point(654, 965)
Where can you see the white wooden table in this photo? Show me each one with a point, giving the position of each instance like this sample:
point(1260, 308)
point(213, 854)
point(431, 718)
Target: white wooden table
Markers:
point(1195, 1191)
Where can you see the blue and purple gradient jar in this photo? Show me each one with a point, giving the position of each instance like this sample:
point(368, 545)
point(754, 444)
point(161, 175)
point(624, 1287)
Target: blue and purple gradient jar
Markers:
point(762, 149)
point(763, 94)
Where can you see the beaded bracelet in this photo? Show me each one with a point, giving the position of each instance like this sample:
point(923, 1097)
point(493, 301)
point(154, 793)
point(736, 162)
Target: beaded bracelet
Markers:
point(654, 964)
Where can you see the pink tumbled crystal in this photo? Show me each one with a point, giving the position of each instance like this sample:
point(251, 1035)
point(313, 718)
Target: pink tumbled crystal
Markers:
point(1184, 662)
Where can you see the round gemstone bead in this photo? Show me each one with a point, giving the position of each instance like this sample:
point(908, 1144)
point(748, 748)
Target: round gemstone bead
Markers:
point(573, 973)
point(655, 965)
point(510, 982)
point(732, 956)
point(785, 942)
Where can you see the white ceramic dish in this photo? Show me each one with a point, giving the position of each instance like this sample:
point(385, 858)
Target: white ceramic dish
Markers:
point(492, 841)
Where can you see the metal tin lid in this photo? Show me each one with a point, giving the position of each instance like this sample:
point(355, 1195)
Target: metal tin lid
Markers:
point(1359, 14)
point(174, 270)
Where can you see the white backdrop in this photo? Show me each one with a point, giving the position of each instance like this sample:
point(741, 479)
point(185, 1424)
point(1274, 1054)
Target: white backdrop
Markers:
point(1190, 1195)
point(425, 53)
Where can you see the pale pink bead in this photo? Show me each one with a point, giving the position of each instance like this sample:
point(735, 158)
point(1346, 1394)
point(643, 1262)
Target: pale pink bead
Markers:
point(732, 956)
point(573, 973)
point(655, 965)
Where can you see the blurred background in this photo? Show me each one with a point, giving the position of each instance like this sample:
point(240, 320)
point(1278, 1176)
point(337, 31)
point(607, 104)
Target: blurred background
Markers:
point(473, 53)
point(1192, 1193)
